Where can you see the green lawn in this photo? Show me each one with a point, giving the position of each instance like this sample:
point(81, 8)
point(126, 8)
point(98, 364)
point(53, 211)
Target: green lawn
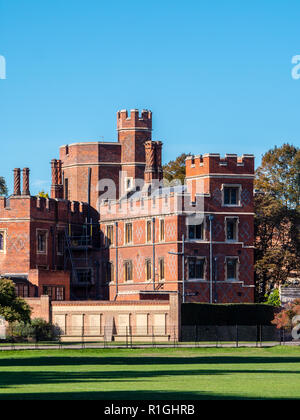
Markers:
point(151, 374)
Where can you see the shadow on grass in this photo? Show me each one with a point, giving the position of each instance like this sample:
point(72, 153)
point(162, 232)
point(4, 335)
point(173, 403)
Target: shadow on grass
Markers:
point(161, 369)
point(128, 396)
point(10, 379)
point(36, 361)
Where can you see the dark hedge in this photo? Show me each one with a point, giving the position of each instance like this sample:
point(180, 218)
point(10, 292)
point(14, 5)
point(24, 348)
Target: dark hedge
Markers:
point(227, 314)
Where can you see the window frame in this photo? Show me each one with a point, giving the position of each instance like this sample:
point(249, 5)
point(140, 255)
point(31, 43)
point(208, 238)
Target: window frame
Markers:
point(148, 223)
point(46, 233)
point(109, 241)
point(203, 260)
point(128, 263)
point(160, 262)
point(162, 238)
point(125, 233)
point(236, 233)
point(3, 232)
point(236, 259)
point(195, 232)
point(238, 187)
point(58, 243)
point(148, 269)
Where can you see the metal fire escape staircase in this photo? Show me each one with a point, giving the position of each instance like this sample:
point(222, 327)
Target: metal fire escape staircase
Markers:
point(78, 259)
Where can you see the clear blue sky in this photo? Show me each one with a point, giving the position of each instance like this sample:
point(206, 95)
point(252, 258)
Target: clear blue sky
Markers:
point(216, 74)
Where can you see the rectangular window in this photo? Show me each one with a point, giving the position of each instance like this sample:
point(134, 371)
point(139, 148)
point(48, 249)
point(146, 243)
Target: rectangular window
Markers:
point(148, 269)
point(196, 268)
point(109, 235)
point(109, 272)
point(66, 189)
point(2, 241)
point(42, 242)
point(232, 268)
point(231, 229)
point(54, 292)
point(84, 276)
point(60, 293)
point(47, 290)
point(22, 290)
point(149, 228)
point(231, 196)
point(60, 243)
point(196, 231)
point(128, 270)
point(128, 233)
point(161, 269)
point(162, 230)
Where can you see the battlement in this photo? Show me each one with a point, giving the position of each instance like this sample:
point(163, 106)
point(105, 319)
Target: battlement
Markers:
point(213, 163)
point(42, 208)
point(135, 120)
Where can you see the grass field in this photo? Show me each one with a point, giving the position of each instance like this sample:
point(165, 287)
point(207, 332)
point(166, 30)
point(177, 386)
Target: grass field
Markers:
point(152, 374)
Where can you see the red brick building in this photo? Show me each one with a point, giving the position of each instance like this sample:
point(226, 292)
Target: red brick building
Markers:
point(113, 230)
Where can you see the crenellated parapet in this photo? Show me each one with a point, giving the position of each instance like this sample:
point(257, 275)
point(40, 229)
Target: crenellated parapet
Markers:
point(213, 163)
point(42, 208)
point(134, 121)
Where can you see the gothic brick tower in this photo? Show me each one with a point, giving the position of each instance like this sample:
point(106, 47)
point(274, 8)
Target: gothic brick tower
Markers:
point(133, 132)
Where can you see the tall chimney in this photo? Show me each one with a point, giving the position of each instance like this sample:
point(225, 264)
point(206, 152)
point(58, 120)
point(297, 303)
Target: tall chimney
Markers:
point(159, 160)
point(153, 170)
point(150, 161)
point(26, 181)
point(17, 181)
point(56, 175)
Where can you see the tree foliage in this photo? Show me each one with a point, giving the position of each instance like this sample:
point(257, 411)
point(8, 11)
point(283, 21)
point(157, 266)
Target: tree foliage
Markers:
point(38, 330)
point(175, 169)
point(284, 319)
point(12, 308)
point(277, 219)
point(273, 298)
point(43, 194)
point(3, 188)
point(279, 175)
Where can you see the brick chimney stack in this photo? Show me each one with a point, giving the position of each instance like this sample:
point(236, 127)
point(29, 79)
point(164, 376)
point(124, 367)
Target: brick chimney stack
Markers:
point(153, 170)
point(56, 175)
point(26, 190)
point(17, 181)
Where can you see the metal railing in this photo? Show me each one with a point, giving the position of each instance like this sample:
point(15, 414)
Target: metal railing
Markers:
point(152, 336)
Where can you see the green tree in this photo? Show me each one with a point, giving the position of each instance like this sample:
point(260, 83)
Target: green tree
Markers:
point(284, 319)
point(273, 298)
point(277, 219)
point(175, 169)
point(279, 175)
point(43, 194)
point(3, 188)
point(12, 308)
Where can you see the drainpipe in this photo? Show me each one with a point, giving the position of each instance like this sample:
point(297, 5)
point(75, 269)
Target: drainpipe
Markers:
point(216, 277)
point(183, 272)
point(117, 261)
point(153, 262)
point(210, 218)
